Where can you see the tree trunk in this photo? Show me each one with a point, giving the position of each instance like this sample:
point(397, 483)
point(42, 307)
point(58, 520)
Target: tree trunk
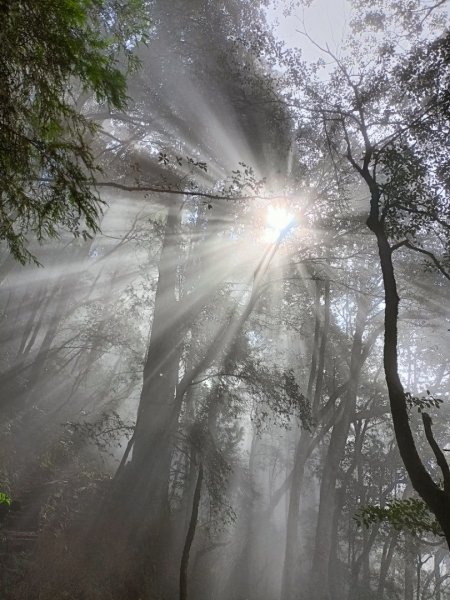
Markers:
point(142, 485)
point(320, 589)
point(409, 567)
point(438, 500)
point(437, 574)
point(388, 553)
point(288, 587)
point(132, 526)
point(190, 535)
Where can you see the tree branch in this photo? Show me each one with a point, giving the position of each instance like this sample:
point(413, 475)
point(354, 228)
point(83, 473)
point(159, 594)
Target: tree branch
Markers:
point(161, 190)
point(440, 458)
point(431, 256)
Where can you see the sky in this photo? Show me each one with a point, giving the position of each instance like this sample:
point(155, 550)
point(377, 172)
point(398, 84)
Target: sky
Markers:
point(326, 21)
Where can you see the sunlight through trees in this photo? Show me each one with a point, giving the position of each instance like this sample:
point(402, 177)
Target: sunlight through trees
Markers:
point(224, 277)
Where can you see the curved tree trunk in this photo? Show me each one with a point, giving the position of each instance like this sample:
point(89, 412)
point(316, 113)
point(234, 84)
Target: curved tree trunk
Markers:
point(437, 499)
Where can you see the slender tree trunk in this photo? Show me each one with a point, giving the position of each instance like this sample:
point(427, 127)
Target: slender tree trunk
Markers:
point(288, 587)
point(289, 590)
point(322, 553)
point(190, 536)
point(418, 576)
point(242, 582)
point(360, 563)
point(409, 572)
point(386, 560)
point(437, 574)
point(322, 351)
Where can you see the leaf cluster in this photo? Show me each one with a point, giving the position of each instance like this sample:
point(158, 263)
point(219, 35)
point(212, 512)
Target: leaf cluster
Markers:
point(410, 514)
point(424, 403)
point(5, 499)
point(46, 165)
point(280, 398)
point(244, 179)
point(217, 461)
point(106, 432)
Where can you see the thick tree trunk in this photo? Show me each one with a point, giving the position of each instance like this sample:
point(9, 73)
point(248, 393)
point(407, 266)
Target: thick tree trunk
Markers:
point(133, 526)
point(155, 419)
point(141, 490)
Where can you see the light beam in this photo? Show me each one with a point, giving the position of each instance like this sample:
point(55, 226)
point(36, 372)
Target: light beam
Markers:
point(278, 221)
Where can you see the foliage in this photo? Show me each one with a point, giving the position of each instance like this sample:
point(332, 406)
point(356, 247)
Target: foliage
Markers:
point(242, 181)
point(276, 391)
point(424, 403)
point(5, 499)
point(410, 514)
point(415, 163)
point(412, 15)
point(46, 165)
point(246, 388)
point(217, 458)
point(106, 432)
point(394, 136)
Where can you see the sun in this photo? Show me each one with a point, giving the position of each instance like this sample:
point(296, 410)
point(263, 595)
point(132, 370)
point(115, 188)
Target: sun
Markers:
point(278, 221)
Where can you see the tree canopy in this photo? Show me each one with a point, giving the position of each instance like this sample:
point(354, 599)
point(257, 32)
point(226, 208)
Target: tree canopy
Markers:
point(52, 53)
point(238, 387)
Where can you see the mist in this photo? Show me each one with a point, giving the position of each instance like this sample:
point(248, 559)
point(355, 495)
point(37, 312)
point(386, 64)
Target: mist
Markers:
point(237, 386)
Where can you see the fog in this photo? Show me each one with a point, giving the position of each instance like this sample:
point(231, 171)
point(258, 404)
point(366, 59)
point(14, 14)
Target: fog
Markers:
point(194, 400)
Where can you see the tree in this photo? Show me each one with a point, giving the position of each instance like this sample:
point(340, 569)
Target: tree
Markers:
point(179, 314)
point(51, 52)
point(392, 134)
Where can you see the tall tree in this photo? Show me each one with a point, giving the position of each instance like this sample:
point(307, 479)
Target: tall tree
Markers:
point(391, 130)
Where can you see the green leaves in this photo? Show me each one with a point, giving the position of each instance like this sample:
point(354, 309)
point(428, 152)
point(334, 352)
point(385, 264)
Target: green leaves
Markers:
point(410, 514)
point(5, 499)
point(47, 168)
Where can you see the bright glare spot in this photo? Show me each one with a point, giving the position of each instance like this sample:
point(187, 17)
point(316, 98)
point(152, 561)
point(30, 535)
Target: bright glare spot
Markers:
point(278, 221)
point(278, 218)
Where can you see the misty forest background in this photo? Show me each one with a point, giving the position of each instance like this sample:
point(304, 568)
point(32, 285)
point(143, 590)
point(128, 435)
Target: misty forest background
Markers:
point(208, 387)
